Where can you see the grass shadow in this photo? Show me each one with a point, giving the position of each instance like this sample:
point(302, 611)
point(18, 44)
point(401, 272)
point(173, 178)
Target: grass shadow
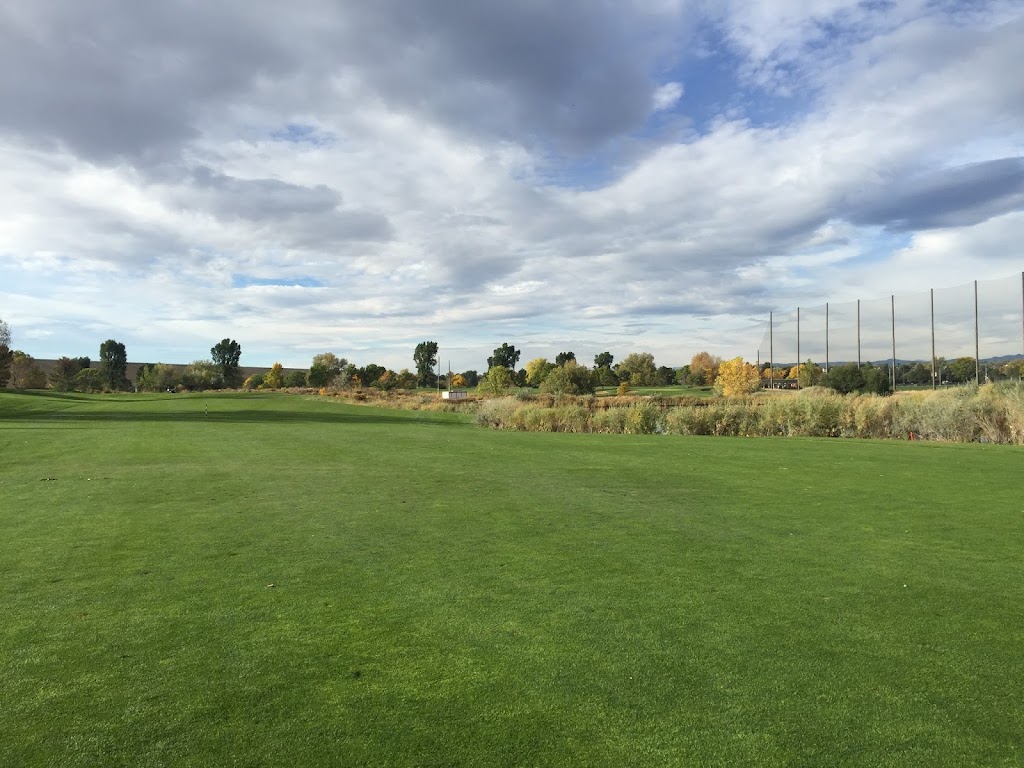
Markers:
point(243, 415)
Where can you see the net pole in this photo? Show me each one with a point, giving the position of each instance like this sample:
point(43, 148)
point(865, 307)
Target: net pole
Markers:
point(798, 369)
point(892, 301)
point(771, 351)
point(858, 333)
point(977, 347)
point(826, 337)
point(933, 336)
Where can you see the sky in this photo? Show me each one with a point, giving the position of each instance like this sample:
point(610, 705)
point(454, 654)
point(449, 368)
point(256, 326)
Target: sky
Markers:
point(587, 175)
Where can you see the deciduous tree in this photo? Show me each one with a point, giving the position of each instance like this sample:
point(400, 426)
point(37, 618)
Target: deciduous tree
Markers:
point(665, 376)
point(318, 376)
point(89, 380)
point(638, 369)
point(809, 374)
point(201, 375)
point(226, 354)
point(736, 377)
point(25, 372)
point(369, 374)
point(603, 360)
point(164, 377)
point(505, 356)
point(325, 368)
point(425, 357)
point(113, 364)
point(274, 378)
point(564, 357)
point(496, 381)
point(962, 370)
point(704, 368)
point(877, 380)
point(5, 353)
point(6, 360)
point(406, 379)
point(62, 377)
point(568, 379)
point(537, 370)
point(253, 382)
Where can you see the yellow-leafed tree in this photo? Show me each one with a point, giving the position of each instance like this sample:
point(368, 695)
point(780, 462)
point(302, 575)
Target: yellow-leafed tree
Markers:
point(736, 377)
point(274, 378)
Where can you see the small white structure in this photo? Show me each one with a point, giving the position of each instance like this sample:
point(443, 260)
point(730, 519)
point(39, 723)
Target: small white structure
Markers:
point(454, 394)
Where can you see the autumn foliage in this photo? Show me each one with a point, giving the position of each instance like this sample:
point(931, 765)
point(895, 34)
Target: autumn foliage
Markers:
point(274, 378)
point(736, 377)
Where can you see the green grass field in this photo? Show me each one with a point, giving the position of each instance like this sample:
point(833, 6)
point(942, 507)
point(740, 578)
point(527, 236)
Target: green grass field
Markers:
point(290, 581)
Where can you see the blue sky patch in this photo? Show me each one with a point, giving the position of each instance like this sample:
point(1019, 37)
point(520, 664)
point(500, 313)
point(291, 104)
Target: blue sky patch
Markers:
point(247, 281)
point(298, 133)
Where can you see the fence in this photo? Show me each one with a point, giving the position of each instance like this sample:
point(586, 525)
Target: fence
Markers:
point(983, 320)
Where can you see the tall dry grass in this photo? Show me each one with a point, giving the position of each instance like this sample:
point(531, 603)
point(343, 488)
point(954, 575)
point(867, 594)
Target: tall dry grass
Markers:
point(991, 413)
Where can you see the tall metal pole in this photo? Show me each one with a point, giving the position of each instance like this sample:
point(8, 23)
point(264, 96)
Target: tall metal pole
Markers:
point(858, 333)
point(977, 348)
point(892, 300)
point(798, 368)
point(771, 351)
point(933, 337)
point(826, 337)
point(1022, 307)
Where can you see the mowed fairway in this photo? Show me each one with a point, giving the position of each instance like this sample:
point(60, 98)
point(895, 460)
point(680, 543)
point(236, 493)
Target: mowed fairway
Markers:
point(288, 581)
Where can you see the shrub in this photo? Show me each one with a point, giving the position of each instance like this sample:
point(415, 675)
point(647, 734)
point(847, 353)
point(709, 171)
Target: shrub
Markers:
point(609, 421)
point(992, 413)
point(687, 420)
point(497, 413)
point(572, 418)
point(642, 419)
point(1012, 394)
point(939, 415)
point(870, 416)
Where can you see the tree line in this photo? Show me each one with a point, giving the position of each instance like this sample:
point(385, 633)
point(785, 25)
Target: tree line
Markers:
point(565, 374)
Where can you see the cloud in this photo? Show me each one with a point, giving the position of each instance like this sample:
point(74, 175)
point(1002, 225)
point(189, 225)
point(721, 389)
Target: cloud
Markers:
point(351, 175)
point(257, 199)
point(114, 80)
point(667, 96)
point(960, 196)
